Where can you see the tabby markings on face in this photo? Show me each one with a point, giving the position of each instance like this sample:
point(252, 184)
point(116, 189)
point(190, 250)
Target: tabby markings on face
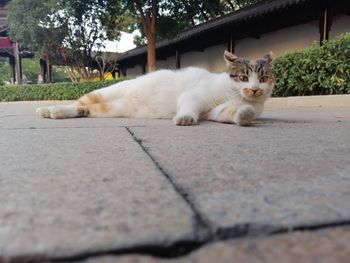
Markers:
point(253, 77)
point(242, 69)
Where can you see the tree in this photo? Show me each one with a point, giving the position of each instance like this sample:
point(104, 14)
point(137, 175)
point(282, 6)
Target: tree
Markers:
point(64, 32)
point(85, 32)
point(128, 16)
point(162, 19)
point(107, 62)
point(145, 15)
point(39, 30)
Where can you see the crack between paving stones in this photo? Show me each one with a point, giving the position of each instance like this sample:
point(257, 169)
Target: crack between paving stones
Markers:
point(175, 250)
point(202, 227)
point(250, 230)
point(184, 247)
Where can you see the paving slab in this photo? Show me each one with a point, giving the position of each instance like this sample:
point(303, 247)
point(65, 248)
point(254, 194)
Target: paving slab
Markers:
point(291, 168)
point(324, 246)
point(66, 192)
point(80, 187)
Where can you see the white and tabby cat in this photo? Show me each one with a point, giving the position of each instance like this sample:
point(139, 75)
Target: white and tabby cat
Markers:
point(187, 95)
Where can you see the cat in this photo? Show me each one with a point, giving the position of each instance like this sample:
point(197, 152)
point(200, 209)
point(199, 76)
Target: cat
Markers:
point(187, 95)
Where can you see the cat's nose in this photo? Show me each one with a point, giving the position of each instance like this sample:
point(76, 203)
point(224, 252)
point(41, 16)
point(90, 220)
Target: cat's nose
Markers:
point(254, 90)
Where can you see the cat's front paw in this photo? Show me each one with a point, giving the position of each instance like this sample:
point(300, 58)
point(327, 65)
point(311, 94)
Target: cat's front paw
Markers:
point(185, 120)
point(244, 115)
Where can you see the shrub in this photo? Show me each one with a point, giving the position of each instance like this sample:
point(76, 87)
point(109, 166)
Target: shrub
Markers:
point(317, 70)
point(56, 91)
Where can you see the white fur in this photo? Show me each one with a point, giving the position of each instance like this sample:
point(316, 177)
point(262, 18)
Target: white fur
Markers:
point(186, 95)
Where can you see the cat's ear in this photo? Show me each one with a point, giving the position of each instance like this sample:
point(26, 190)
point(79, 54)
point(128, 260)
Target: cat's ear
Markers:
point(269, 57)
point(229, 58)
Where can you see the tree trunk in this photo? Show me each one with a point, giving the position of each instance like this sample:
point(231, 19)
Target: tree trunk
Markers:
point(151, 52)
point(149, 22)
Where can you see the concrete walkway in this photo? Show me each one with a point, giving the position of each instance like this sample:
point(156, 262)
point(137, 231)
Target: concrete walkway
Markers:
point(135, 190)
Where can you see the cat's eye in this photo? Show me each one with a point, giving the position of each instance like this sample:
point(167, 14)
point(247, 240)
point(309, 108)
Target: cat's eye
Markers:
point(243, 78)
point(264, 79)
point(233, 76)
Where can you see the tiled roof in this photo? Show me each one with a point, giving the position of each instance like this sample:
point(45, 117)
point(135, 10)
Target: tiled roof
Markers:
point(5, 42)
point(262, 8)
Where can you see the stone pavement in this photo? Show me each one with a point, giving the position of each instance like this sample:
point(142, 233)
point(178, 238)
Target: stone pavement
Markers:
point(136, 190)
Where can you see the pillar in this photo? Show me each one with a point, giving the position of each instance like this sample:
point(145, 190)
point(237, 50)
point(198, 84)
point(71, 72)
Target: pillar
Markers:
point(178, 59)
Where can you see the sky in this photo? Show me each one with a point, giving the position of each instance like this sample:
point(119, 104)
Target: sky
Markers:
point(125, 43)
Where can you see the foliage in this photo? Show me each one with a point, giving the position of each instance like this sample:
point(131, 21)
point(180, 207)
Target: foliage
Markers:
point(316, 70)
point(85, 31)
point(162, 19)
point(5, 71)
point(38, 29)
point(57, 91)
point(30, 69)
point(64, 32)
point(59, 75)
point(173, 16)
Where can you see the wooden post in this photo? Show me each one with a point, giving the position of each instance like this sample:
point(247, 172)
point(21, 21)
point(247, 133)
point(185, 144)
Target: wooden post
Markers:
point(144, 68)
point(20, 69)
point(43, 69)
point(231, 44)
point(50, 73)
point(17, 63)
point(325, 21)
point(178, 59)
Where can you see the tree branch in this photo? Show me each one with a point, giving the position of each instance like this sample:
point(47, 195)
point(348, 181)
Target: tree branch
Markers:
point(231, 5)
point(138, 6)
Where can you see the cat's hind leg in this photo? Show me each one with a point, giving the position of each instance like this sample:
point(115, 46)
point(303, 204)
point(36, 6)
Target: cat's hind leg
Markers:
point(229, 113)
point(63, 111)
point(118, 108)
point(89, 105)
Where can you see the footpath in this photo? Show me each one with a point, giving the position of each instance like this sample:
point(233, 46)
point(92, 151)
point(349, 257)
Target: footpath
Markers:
point(136, 190)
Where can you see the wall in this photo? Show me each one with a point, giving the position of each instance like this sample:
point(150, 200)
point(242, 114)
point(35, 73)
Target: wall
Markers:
point(289, 39)
point(169, 63)
point(134, 71)
point(210, 59)
point(286, 40)
point(340, 25)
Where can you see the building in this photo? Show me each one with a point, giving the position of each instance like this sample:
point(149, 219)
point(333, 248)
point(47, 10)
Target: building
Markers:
point(276, 25)
point(10, 49)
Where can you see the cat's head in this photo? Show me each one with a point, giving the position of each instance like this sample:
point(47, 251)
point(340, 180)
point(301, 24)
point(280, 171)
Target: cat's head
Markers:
point(253, 78)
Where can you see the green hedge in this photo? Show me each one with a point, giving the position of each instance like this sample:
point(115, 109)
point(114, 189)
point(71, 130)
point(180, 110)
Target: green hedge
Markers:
point(315, 70)
point(55, 91)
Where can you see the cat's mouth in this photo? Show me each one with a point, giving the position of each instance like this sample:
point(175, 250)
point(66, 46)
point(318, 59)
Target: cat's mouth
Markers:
point(252, 93)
